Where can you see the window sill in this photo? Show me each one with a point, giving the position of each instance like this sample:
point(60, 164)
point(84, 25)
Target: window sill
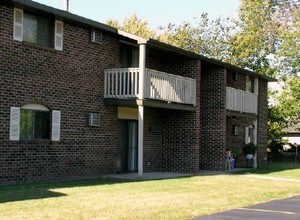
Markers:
point(27, 44)
point(37, 141)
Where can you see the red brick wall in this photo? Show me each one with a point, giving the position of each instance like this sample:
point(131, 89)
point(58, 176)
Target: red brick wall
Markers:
point(262, 121)
point(153, 139)
point(213, 117)
point(70, 81)
point(173, 64)
point(247, 119)
point(180, 129)
point(238, 83)
point(237, 142)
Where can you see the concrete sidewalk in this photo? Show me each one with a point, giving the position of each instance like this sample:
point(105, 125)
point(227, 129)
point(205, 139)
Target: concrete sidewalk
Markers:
point(284, 209)
point(167, 175)
point(148, 176)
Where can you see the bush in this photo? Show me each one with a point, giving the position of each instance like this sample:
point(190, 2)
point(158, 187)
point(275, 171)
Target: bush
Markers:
point(250, 149)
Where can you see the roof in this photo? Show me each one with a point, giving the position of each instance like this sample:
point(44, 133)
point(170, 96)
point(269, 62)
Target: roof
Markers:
point(32, 6)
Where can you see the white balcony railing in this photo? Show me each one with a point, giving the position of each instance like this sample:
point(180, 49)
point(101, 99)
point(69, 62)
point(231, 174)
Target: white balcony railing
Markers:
point(242, 101)
point(124, 83)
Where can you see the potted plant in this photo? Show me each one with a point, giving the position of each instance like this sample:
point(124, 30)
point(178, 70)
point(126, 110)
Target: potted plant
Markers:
point(250, 150)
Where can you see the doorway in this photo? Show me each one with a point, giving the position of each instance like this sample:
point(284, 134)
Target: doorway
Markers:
point(127, 146)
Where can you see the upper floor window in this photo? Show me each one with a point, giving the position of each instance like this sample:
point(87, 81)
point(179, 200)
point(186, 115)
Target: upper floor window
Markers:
point(37, 30)
point(250, 84)
point(129, 56)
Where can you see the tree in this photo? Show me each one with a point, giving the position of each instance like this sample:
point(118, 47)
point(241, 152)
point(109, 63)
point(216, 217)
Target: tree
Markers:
point(290, 100)
point(203, 36)
point(133, 25)
point(289, 37)
point(254, 43)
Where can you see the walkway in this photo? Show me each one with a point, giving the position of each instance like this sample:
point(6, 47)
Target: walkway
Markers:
point(148, 176)
point(167, 175)
point(287, 209)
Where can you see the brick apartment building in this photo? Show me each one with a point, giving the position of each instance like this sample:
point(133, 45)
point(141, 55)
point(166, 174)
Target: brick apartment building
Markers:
point(80, 99)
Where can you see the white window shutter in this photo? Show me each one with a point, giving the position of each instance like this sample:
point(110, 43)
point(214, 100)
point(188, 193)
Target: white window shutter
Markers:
point(247, 138)
point(55, 125)
point(58, 38)
point(14, 134)
point(18, 24)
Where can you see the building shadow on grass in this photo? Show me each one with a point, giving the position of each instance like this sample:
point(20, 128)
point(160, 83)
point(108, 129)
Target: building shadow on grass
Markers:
point(23, 192)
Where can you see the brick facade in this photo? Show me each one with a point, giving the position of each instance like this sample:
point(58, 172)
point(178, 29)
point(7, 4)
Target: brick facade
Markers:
point(213, 117)
point(243, 120)
point(262, 121)
point(180, 129)
point(69, 81)
point(153, 139)
point(72, 81)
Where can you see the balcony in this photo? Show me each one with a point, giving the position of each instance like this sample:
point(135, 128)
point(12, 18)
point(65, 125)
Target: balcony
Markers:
point(124, 84)
point(242, 101)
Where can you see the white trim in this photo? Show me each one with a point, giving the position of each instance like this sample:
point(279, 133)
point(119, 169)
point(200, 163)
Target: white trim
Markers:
point(55, 125)
point(142, 68)
point(58, 36)
point(36, 107)
point(247, 137)
point(140, 40)
point(18, 24)
point(140, 140)
point(14, 130)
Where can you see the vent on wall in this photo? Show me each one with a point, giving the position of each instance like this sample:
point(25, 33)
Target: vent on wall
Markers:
point(94, 119)
point(96, 36)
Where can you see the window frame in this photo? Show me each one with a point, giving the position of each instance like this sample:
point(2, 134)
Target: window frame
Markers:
point(15, 122)
point(56, 38)
point(36, 117)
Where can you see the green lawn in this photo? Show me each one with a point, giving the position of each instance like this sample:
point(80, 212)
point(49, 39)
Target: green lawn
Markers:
point(289, 170)
point(181, 198)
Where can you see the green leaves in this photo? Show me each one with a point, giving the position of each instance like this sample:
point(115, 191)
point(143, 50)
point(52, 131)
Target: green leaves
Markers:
point(133, 25)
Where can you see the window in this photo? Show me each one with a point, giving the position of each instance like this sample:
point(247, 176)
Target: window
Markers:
point(37, 30)
point(32, 122)
point(129, 56)
point(249, 84)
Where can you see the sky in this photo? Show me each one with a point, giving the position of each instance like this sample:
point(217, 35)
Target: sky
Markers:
point(156, 12)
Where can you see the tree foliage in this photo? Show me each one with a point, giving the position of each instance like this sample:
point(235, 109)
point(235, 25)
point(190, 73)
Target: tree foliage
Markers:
point(202, 36)
point(133, 25)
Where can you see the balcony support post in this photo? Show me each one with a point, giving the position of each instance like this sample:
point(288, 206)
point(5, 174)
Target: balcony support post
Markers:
point(142, 69)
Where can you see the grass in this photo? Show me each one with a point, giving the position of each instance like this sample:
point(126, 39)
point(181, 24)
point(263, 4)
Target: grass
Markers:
point(289, 170)
point(181, 198)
